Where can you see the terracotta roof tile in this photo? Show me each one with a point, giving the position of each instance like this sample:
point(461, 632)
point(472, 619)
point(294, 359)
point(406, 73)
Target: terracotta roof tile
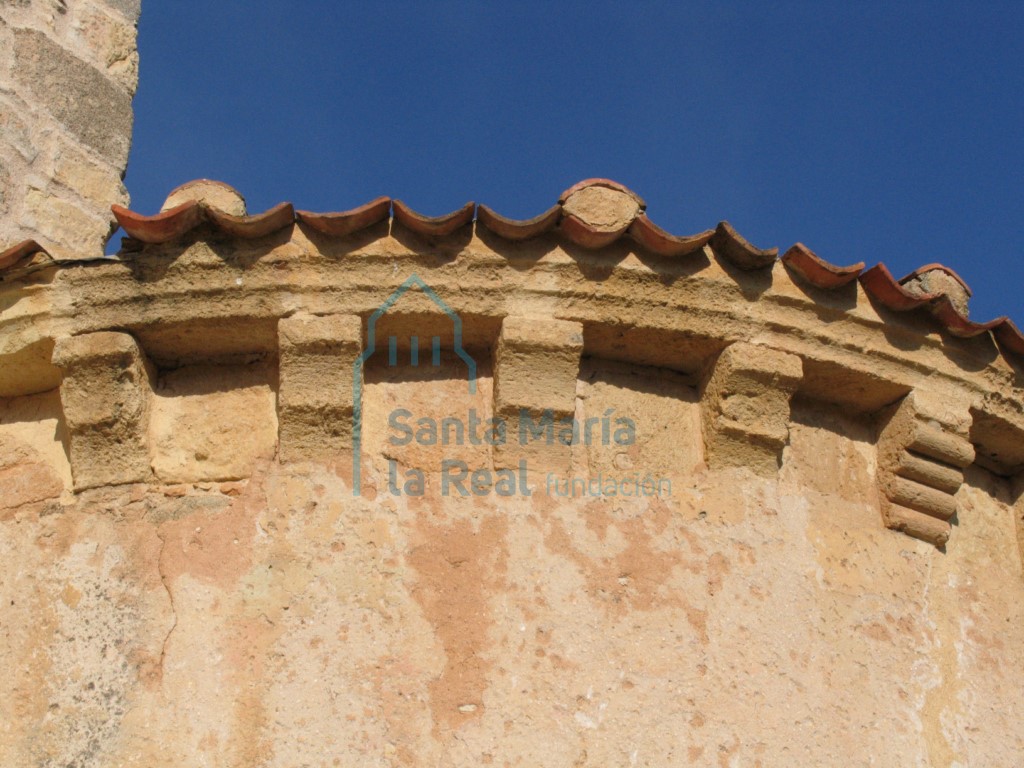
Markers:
point(22, 259)
point(513, 229)
point(1010, 338)
point(178, 221)
point(884, 288)
point(347, 222)
point(730, 244)
point(657, 240)
point(914, 291)
point(17, 253)
point(252, 227)
point(433, 226)
point(161, 227)
point(895, 295)
point(816, 270)
point(956, 323)
point(587, 236)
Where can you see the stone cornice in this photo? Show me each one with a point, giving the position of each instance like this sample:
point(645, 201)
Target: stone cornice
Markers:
point(218, 292)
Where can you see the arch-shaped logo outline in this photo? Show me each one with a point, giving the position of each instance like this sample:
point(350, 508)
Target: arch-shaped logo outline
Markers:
point(371, 347)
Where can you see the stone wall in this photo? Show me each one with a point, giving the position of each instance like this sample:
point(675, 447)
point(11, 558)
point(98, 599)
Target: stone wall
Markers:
point(215, 549)
point(68, 71)
point(811, 556)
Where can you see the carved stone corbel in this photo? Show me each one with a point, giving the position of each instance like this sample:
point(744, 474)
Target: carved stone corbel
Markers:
point(317, 368)
point(923, 449)
point(106, 397)
point(745, 407)
point(537, 363)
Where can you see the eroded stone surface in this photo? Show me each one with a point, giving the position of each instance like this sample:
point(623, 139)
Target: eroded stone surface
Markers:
point(750, 610)
point(213, 193)
point(67, 76)
point(745, 403)
point(106, 400)
point(603, 208)
point(537, 363)
point(936, 280)
point(212, 423)
point(318, 384)
point(80, 98)
point(281, 620)
point(923, 452)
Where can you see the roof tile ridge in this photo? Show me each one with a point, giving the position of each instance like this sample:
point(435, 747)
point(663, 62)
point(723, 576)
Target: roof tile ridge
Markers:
point(816, 270)
point(878, 282)
point(179, 220)
point(161, 227)
point(880, 285)
point(251, 226)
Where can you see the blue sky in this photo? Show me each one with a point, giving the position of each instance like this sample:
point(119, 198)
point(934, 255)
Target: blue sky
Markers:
point(869, 131)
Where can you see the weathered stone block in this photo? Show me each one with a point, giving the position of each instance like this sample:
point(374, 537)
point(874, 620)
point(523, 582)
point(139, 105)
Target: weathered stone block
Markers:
point(212, 423)
point(537, 363)
point(660, 407)
point(920, 525)
point(105, 396)
point(130, 8)
point(92, 181)
point(72, 227)
point(315, 402)
point(745, 407)
point(79, 96)
point(5, 182)
point(923, 448)
point(15, 132)
point(111, 39)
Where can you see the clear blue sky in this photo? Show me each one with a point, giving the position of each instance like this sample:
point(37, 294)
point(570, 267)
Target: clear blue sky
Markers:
point(868, 131)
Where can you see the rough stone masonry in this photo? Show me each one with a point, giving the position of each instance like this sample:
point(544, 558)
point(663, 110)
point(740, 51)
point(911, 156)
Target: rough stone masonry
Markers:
point(68, 71)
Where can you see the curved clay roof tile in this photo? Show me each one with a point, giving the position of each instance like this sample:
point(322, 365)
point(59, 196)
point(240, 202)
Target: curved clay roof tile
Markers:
point(518, 229)
point(347, 222)
point(882, 286)
point(733, 246)
point(818, 272)
point(588, 236)
point(17, 253)
point(252, 227)
point(1010, 339)
point(162, 227)
point(657, 240)
point(433, 226)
